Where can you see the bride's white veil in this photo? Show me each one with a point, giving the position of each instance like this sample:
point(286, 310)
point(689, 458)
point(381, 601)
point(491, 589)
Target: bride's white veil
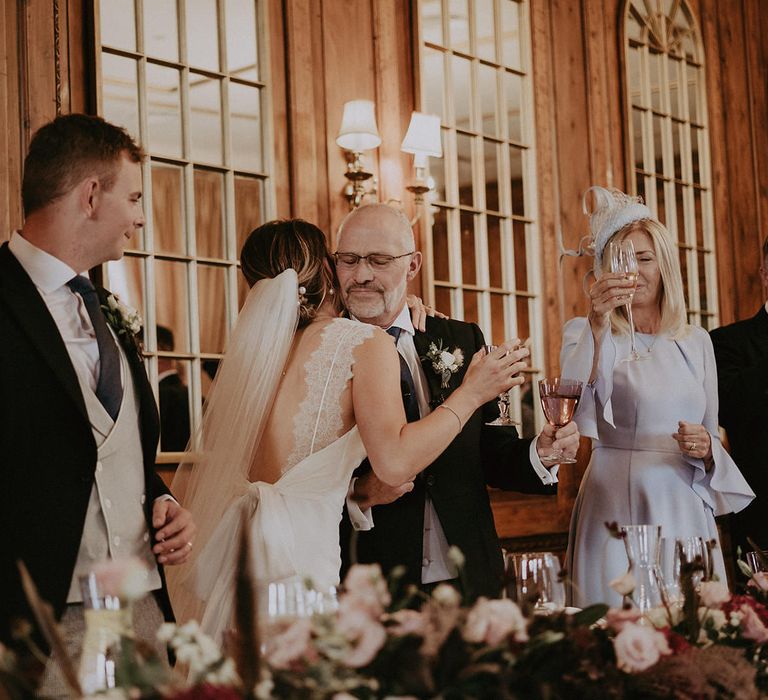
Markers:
point(236, 410)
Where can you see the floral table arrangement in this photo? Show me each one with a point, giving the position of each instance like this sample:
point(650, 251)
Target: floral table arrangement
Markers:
point(713, 645)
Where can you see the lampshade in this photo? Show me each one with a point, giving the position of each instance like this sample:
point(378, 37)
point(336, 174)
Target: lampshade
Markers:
point(358, 130)
point(423, 136)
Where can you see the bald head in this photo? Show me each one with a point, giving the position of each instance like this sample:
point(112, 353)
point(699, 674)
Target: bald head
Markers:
point(376, 293)
point(382, 223)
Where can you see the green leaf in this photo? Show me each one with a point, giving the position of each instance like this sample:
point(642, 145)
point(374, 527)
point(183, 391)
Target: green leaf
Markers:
point(589, 616)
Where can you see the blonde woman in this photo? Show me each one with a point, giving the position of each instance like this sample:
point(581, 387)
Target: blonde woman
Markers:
point(657, 457)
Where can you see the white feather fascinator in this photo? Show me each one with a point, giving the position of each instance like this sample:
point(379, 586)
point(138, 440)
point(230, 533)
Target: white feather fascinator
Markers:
point(612, 211)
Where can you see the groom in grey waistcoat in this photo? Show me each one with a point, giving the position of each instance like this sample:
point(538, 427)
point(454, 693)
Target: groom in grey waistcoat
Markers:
point(78, 420)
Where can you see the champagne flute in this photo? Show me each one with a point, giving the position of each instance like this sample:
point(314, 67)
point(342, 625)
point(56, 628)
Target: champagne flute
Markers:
point(623, 260)
point(503, 400)
point(559, 398)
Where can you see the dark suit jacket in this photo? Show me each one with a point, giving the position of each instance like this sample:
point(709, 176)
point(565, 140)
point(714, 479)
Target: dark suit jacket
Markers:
point(456, 482)
point(174, 414)
point(47, 448)
point(741, 353)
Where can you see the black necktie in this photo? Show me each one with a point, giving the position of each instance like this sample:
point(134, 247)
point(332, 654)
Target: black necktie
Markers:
point(109, 390)
point(408, 388)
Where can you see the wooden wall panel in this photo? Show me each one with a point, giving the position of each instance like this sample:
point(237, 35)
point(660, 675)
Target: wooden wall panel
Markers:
point(349, 74)
point(10, 114)
point(305, 107)
point(278, 87)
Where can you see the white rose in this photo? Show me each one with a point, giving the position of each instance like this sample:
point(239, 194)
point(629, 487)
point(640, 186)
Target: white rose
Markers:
point(623, 585)
point(112, 302)
point(445, 594)
point(447, 358)
point(492, 621)
point(639, 647)
point(718, 618)
point(166, 632)
point(714, 593)
point(456, 556)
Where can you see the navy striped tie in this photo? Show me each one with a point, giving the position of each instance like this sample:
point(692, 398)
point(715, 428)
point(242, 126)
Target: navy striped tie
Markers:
point(407, 387)
point(109, 389)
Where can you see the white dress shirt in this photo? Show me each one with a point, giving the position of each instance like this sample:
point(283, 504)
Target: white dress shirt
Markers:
point(50, 275)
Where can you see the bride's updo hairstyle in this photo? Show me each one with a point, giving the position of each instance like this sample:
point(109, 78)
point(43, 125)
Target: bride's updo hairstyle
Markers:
point(294, 244)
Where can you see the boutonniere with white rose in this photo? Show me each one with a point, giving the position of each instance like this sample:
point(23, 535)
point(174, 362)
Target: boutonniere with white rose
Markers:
point(445, 362)
point(124, 319)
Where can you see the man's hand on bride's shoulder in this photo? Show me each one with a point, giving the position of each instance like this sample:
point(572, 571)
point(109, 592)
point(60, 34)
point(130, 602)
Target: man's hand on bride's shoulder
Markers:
point(371, 491)
point(419, 312)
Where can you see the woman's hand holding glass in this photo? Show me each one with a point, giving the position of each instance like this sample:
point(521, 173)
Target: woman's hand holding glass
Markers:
point(612, 290)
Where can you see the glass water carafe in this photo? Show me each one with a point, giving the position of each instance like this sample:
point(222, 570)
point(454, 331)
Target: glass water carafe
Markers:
point(642, 545)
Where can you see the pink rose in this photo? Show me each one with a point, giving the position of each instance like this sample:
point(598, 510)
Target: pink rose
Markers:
point(618, 618)
point(366, 588)
point(714, 593)
point(291, 645)
point(752, 626)
point(124, 578)
point(407, 622)
point(365, 633)
point(638, 647)
point(492, 621)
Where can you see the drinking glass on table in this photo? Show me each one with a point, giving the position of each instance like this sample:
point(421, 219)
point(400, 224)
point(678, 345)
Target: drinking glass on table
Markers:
point(533, 578)
point(755, 561)
point(503, 400)
point(559, 398)
point(623, 260)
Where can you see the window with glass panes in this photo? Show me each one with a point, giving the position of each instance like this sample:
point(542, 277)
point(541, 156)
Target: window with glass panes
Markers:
point(187, 79)
point(669, 144)
point(482, 261)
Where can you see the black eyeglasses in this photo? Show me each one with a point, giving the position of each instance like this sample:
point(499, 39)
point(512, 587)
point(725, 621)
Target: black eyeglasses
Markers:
point(377, 261)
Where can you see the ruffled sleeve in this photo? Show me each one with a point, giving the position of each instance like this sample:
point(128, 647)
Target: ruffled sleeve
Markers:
point(724, 487)
point(576, 359)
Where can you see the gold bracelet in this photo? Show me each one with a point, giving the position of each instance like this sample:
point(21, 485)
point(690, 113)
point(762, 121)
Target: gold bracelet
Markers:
point(448, 408)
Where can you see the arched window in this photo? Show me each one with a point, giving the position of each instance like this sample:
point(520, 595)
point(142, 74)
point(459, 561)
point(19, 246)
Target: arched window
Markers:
point(668, 144)
point(482, 262)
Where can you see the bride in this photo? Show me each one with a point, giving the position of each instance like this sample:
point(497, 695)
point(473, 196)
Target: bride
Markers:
point(301, 397)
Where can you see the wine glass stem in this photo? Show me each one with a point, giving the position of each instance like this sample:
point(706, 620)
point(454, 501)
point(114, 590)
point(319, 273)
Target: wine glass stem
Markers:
point(631, 330)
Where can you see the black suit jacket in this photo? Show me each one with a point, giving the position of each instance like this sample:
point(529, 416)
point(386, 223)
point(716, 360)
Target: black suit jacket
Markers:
point(741, 353)
point(47, 448)
point(479, 456)
point(174, 414)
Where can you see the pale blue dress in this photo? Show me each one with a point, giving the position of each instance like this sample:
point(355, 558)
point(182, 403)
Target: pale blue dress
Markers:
point(637, 474)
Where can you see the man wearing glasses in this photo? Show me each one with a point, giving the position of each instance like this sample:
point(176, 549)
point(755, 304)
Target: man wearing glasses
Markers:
point(415, 524)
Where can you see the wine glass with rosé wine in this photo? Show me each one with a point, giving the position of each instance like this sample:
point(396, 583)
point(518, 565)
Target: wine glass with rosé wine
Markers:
point(559, 398)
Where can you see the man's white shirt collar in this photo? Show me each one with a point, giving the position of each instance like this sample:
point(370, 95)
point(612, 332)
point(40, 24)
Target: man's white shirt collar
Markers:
point(403, 321)
point(46, 271)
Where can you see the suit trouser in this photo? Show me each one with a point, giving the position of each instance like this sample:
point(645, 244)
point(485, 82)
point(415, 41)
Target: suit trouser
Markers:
point(147, 618)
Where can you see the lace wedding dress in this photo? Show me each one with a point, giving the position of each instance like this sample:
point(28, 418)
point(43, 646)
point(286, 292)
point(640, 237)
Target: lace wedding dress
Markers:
point(293, 522)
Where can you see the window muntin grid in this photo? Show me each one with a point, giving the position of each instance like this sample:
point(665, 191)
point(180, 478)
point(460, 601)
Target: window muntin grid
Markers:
point(481, 237)
point(186, 78)
point(668, 148)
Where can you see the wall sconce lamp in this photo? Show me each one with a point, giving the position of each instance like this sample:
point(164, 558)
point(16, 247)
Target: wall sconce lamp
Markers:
point(358, 133)
point(423, 140)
